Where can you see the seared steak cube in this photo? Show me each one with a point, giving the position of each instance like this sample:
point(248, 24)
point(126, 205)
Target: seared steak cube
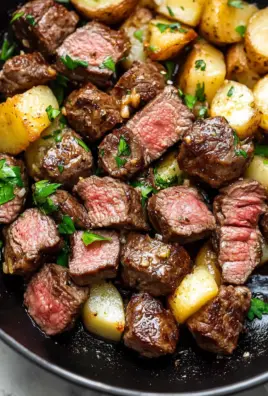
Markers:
point(216, 327)
point(43, 25)
point(32, 236)
point(67, 205)
point(111, 203)
point(237, 210)
point(116, 163)
point(23, 72)
point(98, 260)
point(210, 151)
point(180, 214)
point(62, 158)
point(150, 328)
point(152, 266)
point(98, 47)
point(10, 210)
point(53, 301)
point(138, 86)
point(92, 112)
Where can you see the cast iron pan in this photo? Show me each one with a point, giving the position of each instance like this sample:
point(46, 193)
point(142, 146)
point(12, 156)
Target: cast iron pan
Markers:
point(93, 363)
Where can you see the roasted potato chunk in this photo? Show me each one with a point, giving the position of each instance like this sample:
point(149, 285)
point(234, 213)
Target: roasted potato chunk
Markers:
point(107, 11)
point(256, 39)
point(167, 172)
point(238, 67)
point(220, 21)
point(167, 38)
point(260, 92)
point(235, 102)
point(196, 290)
point(136, 28)
point(185, 11)
point(258, 170)
point(207, 258)
point(205, 65)
point(23, 118)
point(103, 312)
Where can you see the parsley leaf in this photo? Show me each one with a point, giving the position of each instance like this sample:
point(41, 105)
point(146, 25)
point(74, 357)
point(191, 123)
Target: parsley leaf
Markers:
point(56, 135)
point(82, 144)
point(63, 256)
point(7, 50)
point(173, 27)
point(200, 92)
point(52, 113)
point(203, 111)
point(61, 168)
point(257, 309)
point(230, 92)
point(63, 1)
point(238, 150)
point(190, 101)
point(101, 152)
point(10, 176)
point(108, 63)
point(16, 16)
point(138, 34)
point(6, 193)
point(30, 19)
point(120, 161)
point(261, 150)
point(58, 87)
point(241, 30)
point(72, 64)
point(152, 48)
point(163, 183)
point(41, 192)
point(123, 147)
point(89, 237)
point(66, 227)
point(170, 11)
point(145, 190)
point(235, 3)
point(170, 66)
point(200, 65)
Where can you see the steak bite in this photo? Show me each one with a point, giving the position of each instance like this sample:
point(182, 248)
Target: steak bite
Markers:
point(216, 327)
point(152, 266)
point(32, 236)
point(67, 205)
point(23, 72)
point(150, 329)
point(10, 210)
point(263, 225)
point(43, 25)
point(94, 45)
point(92, 112)
point(94, 262)
point(111, 203)
point(239, 243)
point(180, 214)
point(52, 300)
point(138, 86)
point(63, 159)
point(118, 163)
point(210, 151)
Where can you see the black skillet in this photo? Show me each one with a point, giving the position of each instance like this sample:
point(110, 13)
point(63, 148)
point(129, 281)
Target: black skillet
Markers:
point(93, 363)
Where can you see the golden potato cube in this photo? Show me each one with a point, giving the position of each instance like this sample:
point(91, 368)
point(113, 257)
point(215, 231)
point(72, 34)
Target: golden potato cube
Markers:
point(258, 170)
point(196, 290)
point(260, 92)
point(185, 11)
point(23, 118)
point(207, 258)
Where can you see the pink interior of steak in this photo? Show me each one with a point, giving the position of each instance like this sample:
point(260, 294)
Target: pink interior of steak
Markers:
point(94, 257)
point(239, 253)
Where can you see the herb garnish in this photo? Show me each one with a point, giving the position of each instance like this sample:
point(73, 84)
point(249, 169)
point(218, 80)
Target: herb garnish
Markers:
point(17, 16)
point(58, 87)
point(238, 150)
point(138, 34)
point(200, 64)
point(257, 309)
point(108, 63)
point(41, 192)
point(7, 50)
point(241, 30)
point(230, 92)
point(63, 256)
point(123, 150)
point(56, 135)
point(172, 27)
point(162, 183)
point(170, 11)
point(261, 150)
point(145, 190)
point(30, 19)
point(72, 64)
point(235, 3)
point(82, 144)
point(203, 111)
point(170, 66)
point(66, 227)
point(10, 177)
point(61, 168)
point(52, 113)
point(89, 237)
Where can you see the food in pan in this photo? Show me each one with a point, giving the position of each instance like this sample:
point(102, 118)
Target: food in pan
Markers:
point(134, 168)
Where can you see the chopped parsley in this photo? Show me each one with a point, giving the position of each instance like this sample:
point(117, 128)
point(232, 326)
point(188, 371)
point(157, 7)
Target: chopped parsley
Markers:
point(41, 193)
point(170, 66)
point(172, 27)
point(241, 30)
point(58, 87)
point(102, 151)
point(235, 3)
point(123, 150)
point(238, 151)
point(190, 101)
point(108, 63)
point(63, 1)
point(230, 92)
point(72, 64)
point(89, 237)
point(30, 19)
point(61, 168)
point(200, 92)
point(200, 64)
point(203, 112)
point(145, 190)
point(63, 256)
point(163, 183)
point(257, 309)
point(170, 11)
point(82, 144)
point(10, 177)
point(7, 50)
point(152, 48)
point(261, 150)
point(138, 34)
point(56, 135)
point(66, 227)
point(17, 16)
point(52, 113)
point(120, 161)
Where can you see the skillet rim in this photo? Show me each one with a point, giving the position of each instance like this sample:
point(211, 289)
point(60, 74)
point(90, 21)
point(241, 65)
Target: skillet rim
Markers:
point(114, 390)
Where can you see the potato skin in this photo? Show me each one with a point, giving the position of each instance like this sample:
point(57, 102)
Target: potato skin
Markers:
point(185, 11)
point(112, 13)
point(219, 21)
point(256, 38)
point(260, 92)
point(258, 170)
point(213, 76)
point(235, 102)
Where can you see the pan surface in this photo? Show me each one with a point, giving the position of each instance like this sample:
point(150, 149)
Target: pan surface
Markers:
point(93, 363)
